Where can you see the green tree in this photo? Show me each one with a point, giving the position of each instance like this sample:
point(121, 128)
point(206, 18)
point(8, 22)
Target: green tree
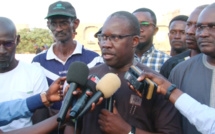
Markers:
point(30, 37)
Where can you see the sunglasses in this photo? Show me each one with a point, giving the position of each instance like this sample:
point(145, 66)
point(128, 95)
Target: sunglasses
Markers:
point(7, 43)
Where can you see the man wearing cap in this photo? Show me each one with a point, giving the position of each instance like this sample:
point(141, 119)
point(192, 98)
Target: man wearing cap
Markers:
point(62, 21)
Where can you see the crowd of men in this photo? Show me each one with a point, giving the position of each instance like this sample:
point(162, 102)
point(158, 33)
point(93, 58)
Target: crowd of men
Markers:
point(183, 104)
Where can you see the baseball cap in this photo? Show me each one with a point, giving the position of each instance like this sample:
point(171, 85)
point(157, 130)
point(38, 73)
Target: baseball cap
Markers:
point(61, 8)
point(46, 46)
point(100, 31)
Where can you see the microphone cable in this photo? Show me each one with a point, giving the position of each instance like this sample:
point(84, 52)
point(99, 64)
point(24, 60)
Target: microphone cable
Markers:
point(58, 128)
point(76, 124)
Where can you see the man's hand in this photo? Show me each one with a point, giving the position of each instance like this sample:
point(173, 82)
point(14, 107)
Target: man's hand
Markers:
point(55, 92)
point(161, 82)
point(112, 123)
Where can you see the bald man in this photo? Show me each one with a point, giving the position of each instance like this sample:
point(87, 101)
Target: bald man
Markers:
point(190, 42)
point(199, 71)
point(19, 80)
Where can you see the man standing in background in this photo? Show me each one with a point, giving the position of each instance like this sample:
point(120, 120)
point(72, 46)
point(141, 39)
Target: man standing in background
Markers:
point(177, 35)
point(198, 72)
point(145, 51)
point(190, 41)
point(63, 22)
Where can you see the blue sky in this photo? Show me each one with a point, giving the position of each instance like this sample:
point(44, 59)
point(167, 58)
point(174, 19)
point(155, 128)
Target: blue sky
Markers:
point(32, 12)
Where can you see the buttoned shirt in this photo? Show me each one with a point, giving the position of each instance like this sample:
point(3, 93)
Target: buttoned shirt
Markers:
point(153, 58)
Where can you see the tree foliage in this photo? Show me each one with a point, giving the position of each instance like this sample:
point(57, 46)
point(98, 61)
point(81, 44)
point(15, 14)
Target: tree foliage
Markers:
point(30, 37)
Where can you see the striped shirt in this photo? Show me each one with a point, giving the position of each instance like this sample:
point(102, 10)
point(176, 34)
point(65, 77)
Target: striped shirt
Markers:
point(54, 67)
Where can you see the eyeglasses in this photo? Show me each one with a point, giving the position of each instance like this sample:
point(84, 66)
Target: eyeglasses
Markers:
point(114, 38)
point(7, 43)
point(62, 24)
point(145, 25)
point(210, 27)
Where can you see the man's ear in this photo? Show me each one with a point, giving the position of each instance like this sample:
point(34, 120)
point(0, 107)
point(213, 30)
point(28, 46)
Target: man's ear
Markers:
point(136, 40)
point(17, 39)
point(48, 25)
point(76, 23)
point(156, 30)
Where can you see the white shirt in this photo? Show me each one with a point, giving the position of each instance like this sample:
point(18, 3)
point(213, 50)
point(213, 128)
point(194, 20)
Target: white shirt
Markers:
point(201, 116)
point(23, 81)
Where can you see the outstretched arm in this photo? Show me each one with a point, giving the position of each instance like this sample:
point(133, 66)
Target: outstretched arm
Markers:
point(202, 116)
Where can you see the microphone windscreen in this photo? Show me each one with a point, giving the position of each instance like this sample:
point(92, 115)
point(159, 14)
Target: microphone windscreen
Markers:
point(91, 82)
point(108, 84)
point(77, 73)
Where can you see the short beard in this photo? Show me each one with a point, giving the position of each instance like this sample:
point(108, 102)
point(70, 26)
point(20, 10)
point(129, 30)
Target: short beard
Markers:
point(4, 65)
point(180, 50)
point(141, 45)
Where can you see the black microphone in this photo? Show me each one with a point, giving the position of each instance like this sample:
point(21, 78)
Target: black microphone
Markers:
point(76, 76)
point(106, 87)
point(81, 102)
point(110, 104)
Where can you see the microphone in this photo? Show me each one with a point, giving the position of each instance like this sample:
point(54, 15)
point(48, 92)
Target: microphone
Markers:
point(79, 105)
point(106, 87)
point(76, 76)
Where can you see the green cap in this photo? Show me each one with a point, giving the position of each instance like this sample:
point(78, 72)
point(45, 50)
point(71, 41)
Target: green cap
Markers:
point(61, 8)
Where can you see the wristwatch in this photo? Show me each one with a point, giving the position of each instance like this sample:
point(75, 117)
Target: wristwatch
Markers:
point(169, 91)
point(45, 100)
point(133, 129)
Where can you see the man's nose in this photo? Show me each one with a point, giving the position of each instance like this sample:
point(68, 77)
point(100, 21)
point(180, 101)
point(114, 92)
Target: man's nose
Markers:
point(2, 49)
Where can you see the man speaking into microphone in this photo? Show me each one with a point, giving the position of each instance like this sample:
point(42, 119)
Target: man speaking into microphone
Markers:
point(131, 114)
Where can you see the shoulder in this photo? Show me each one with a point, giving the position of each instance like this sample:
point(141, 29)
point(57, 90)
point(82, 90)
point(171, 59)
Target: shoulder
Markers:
point(99, 70)
point(89, 52)
point(40, 56)
point(31, 69)
point(190, 62)
point(96, 61)
point(146, 68)
point(186, 66)
point(161, 53)
point(98, 67)
point(176, 59)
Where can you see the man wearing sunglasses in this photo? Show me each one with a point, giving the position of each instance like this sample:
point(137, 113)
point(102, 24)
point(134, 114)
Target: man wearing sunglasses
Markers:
point(145, 51)
point(19, 80)
point(196, 76)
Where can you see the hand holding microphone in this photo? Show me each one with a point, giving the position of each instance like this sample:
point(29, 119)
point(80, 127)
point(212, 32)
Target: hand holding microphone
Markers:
point(106, 87)
point(81, 102)
point(55, 91)
point(76, 76)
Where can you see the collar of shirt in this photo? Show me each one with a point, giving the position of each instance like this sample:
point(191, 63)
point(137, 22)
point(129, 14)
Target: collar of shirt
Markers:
point(146, 54)
point(51, 55)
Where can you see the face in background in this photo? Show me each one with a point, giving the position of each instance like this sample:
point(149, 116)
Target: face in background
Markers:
point(117, 53)
point(190, 30)
point(177, 36)
point(146, 31)
point(8, 42)
point(205, 32)
point(62, 27)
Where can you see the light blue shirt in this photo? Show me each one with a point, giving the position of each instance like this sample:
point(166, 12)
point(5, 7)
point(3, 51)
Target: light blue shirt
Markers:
point(14, 109)
point(19, 108)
